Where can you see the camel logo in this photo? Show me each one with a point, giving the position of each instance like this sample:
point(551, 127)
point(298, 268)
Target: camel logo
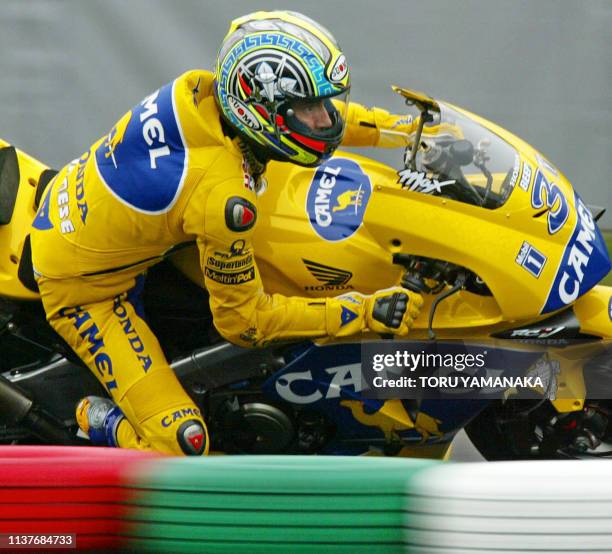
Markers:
point(337, 199)
point(585, 261)
point(350, 198)
point(115, 137)
point(392, 418)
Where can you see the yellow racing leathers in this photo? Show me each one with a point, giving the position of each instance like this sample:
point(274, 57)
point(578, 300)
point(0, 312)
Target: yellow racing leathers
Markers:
point(167, 174)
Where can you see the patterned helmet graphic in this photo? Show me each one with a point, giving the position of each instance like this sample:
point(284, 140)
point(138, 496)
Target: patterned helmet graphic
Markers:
point(282, 83)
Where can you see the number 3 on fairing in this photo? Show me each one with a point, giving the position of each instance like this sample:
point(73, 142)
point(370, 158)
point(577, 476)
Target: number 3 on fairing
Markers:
point(548, 194)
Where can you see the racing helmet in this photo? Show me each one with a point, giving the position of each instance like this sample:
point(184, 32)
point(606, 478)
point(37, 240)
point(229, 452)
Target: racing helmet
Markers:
point(274, 67)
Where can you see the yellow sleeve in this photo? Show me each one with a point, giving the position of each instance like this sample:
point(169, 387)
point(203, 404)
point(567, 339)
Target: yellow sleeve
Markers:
point(242, 311)
point(375, 127)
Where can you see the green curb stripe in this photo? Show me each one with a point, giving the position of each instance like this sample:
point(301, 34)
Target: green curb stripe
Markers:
point(282, 474)
point(270, 533)
point(296, 462)
point(237, 501)
point(319, 503)
point(308, 464)
point(277, 518)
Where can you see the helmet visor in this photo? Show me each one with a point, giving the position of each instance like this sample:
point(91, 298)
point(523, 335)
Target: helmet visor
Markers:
point(321, 118)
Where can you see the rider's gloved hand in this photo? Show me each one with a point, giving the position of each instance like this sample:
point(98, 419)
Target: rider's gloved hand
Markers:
point(387, 311)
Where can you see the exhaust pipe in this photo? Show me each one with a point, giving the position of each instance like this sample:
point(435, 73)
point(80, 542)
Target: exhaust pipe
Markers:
point(17, 409)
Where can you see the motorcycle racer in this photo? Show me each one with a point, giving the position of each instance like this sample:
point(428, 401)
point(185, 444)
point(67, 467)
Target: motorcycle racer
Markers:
point(188, 163)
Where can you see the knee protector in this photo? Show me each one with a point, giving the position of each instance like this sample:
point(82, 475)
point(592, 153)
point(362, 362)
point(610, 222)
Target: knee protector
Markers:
point(192, 437)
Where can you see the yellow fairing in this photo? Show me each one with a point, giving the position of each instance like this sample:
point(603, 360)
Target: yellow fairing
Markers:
point(294, 260)
point(296, 257)
point(13, 235)
point(289, 251)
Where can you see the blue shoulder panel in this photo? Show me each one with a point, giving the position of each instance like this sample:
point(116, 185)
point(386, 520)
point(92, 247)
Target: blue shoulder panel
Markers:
point(143, 160)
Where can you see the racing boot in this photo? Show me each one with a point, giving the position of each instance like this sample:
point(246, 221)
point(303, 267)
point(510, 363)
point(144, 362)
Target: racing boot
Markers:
point(99, 419)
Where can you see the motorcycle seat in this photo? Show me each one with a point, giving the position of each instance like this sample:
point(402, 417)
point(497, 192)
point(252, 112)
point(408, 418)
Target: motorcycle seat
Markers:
point(23, 181)
point(25, 271)
point(43, 181)
point(9, 183)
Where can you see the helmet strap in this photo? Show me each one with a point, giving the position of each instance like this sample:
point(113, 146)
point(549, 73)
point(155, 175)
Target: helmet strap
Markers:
point(252, 153)
point(255, 159)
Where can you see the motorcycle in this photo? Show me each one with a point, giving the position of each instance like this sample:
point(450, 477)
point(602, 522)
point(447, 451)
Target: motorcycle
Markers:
point(483, 225)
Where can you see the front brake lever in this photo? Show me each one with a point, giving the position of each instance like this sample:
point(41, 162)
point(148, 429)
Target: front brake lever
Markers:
point(459, 284)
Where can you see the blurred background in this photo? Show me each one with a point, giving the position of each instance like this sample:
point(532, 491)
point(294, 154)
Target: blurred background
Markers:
point(543, 70)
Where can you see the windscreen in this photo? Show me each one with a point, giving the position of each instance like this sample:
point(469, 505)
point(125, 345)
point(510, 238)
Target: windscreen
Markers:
point(460, 159)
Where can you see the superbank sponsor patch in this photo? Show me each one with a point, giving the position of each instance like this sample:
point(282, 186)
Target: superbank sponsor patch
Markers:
point(337, 199)
point(230, 277)
point(229, 264)
point(143, 160)
point(231, 267)
point(585, 261)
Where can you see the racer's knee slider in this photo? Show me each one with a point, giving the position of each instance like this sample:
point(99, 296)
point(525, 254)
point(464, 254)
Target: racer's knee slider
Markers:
point(192, 437)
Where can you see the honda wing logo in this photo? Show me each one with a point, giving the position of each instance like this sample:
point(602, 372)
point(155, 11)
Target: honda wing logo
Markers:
point(331, 278)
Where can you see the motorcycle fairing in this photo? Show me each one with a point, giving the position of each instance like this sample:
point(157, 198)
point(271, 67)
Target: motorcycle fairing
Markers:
point(14, 233)
point(559, 330)
point(585, 261)
point(515, 245)
point(327, 379)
